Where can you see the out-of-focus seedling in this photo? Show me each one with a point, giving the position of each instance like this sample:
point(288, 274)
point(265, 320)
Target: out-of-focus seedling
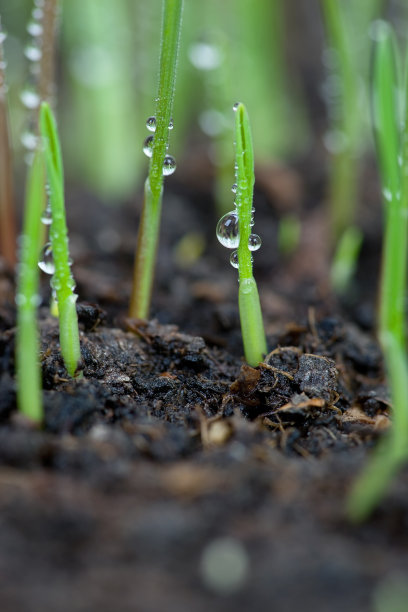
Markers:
point(391, 136)
point(234, 231)
point(345, 91)
point(28, 371)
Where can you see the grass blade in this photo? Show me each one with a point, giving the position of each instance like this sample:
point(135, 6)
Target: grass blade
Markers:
point(28, 371)
point(253, 334)
point(62, 281)
point(391, 148)
point(150, 221)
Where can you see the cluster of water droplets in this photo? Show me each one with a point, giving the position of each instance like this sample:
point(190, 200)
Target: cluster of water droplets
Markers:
point(228, 233)
point(169, 163)
point(46, 258)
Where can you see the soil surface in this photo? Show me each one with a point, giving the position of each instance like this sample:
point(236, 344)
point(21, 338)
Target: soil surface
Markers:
point(172, 476)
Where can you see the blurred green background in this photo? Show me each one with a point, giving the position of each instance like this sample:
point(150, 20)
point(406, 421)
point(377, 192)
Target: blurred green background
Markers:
point(107, 61)
point(268, 54)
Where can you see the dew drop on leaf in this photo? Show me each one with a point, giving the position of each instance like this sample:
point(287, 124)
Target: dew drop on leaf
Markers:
point(148, 146)
point(228, 230)
point(151, 124)
point(30, 98)
point(234, 259)
point(46, 263)
point(29, 140)
point(169, 165)
point(33, 53)
point(254, 242)
point(46, 216)
point(34, 28)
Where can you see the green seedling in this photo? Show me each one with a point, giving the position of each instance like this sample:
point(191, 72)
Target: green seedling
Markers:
point(345, 89)
point(161, 164)
point(391, 136)
point(28, 371)
point(62, 280)
point(234, 229)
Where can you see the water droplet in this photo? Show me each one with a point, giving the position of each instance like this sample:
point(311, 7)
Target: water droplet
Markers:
point(33, 53)
point(228, 230)
point(34, 28)
point(171, 124)
point(254, 242)
point(387, 194)
point(148, 146)
point(55, 283)
point(234, 188)
point(235, 107)
point(46, 263)
point(46, 217)
point(29, 141)
point(234, 259)
point(30, 98)
point(169, 165)
point(151, 124)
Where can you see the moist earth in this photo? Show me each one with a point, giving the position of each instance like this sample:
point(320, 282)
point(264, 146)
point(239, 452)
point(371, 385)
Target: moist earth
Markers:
point(174, 476)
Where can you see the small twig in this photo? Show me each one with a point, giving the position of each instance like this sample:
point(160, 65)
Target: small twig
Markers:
point(46, 79)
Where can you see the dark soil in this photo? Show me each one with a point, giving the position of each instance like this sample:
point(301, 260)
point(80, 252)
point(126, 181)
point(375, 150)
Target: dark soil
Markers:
point(174, 477)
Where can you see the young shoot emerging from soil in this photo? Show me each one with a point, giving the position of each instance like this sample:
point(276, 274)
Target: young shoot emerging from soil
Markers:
point(161, 164)
point(28, 370)
point(56, 260)
point(234, 231)
point(392, 152)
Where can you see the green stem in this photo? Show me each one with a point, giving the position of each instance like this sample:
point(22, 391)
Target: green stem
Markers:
point(150, 223)
point(28, 370)
point(253, 334)
point(62, 281)
point(391, 145)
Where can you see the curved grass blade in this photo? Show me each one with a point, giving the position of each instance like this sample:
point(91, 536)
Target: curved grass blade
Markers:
point(253, 334)
point(63, 282)
point(392, 152)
